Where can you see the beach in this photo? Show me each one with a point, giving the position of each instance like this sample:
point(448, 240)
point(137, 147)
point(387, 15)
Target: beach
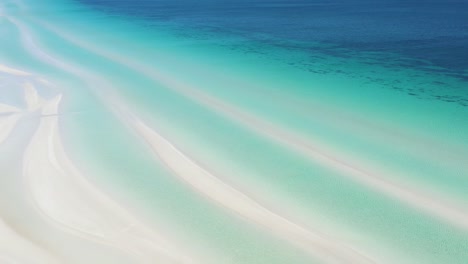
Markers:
point(133, 136)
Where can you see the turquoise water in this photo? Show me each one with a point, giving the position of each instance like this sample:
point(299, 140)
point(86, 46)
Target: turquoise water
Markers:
point(304, 134)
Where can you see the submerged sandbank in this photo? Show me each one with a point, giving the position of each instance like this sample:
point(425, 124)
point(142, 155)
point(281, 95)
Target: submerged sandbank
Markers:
point(231, 162)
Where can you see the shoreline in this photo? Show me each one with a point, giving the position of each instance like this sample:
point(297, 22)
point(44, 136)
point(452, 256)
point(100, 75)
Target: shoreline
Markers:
point(230, 162)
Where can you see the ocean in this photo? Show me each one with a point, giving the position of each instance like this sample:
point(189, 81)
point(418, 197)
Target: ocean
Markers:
point(244, 131)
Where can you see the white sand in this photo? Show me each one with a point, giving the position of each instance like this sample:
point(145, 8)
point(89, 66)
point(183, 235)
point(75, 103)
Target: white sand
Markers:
point(31, 97)
point(16, 249)
point(377, 181)
point(16, 72)
point(210, 186)
point(430, 204)
point(63, 195)
point(8, 118)
point(213, 188)
point(10, 115)
point(233, 200)
point(7, 124)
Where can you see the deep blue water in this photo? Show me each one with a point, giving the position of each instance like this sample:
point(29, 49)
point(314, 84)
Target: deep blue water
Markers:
point(433, 33)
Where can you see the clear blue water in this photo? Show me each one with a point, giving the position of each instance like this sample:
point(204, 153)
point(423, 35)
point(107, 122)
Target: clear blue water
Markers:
point(240, 87)
point(431, 35)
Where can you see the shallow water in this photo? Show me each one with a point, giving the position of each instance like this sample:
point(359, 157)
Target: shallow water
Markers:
point(338, 143)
